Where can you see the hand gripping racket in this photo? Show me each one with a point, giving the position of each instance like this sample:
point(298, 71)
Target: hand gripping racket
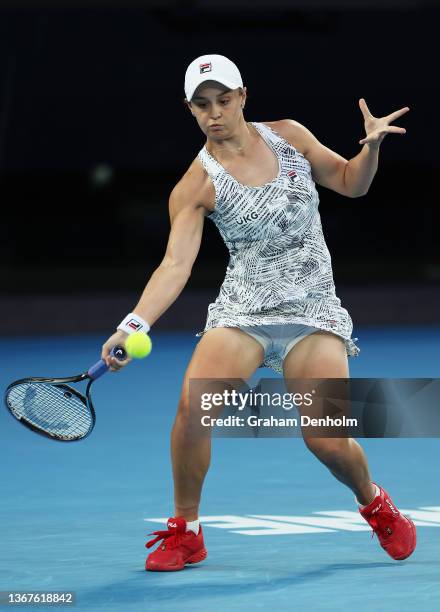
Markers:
point(53, 408)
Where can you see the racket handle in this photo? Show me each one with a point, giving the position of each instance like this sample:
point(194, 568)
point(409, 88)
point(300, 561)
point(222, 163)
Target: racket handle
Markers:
point(100, 367)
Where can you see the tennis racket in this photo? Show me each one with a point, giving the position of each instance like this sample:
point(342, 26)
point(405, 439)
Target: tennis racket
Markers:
point(52, 408)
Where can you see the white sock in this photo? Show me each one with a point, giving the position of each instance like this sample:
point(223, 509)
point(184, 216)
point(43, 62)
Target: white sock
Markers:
point(193, 526)
point(376, 494)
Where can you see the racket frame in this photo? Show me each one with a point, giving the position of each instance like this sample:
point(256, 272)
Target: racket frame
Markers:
point(86, 399)
point(92, 374)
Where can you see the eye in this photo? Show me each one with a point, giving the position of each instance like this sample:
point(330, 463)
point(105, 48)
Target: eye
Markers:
point(225, 102)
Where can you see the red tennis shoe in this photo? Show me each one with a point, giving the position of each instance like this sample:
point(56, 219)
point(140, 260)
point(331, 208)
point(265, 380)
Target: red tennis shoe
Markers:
point(396, 532)
point(179, 547)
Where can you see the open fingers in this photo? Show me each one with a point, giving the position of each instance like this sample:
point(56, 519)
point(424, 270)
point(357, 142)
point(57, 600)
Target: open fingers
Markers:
point(380, 134)
point(395, 129)
point(364, 108)
point(390, 118)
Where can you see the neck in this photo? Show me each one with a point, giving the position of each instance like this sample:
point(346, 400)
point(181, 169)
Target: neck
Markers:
point(239, 143)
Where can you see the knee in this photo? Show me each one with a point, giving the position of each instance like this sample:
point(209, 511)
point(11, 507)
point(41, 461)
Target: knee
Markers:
point(328, 450)
point(184, 412)
point(188, 417)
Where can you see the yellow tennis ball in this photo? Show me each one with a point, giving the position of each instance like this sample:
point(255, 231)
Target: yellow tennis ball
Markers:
point(138, 345)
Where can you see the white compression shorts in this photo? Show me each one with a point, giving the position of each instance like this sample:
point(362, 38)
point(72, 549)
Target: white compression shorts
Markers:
point(278, 340)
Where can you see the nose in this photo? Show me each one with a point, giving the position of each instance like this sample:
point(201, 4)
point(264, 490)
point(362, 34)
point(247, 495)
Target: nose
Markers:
point(215, 112)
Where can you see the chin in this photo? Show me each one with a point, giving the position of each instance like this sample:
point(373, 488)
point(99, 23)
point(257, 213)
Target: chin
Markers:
point(217, 135)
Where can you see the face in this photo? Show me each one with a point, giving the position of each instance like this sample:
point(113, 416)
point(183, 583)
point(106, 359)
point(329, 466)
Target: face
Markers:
point(217, 109)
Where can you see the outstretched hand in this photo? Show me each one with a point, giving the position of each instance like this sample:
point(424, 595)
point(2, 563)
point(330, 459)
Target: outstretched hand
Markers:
point(376, 128)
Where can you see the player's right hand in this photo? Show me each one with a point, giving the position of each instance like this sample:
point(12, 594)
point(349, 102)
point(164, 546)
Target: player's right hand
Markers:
point(117, 339)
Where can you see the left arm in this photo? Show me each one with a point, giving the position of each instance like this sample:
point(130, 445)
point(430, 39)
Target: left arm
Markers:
point(353, 177)
point(360, 170)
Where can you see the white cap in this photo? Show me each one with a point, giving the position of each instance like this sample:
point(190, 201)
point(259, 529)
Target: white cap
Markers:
point(211, 68)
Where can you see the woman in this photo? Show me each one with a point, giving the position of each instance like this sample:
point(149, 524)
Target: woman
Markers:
point(277, 306)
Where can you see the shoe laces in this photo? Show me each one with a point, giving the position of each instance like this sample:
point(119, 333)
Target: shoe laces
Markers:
point(172, 537)
point(380, 522)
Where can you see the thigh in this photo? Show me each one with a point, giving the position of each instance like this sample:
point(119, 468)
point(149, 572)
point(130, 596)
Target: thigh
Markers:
point(222, 353)
point(225, 351)
point(318, 355)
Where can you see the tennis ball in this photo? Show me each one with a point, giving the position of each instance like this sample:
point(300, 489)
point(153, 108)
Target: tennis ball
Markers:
point(138, 345)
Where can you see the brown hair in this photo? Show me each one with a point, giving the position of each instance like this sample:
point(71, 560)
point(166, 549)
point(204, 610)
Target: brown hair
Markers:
point(184, 100)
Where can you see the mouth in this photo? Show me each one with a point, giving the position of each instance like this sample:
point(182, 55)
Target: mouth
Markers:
point(215, 126)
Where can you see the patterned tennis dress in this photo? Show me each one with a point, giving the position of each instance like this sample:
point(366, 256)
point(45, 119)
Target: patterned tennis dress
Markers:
point(279, 269)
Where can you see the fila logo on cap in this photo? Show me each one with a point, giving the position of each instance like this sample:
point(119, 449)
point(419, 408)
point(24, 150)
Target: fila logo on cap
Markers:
point(211, 67)
point(205, 68)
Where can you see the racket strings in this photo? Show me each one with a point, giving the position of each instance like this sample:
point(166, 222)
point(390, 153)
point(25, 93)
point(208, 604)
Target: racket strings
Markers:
point(53, 408)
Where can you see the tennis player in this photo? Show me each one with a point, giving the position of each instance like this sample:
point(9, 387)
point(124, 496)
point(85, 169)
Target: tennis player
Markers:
point(277, 306)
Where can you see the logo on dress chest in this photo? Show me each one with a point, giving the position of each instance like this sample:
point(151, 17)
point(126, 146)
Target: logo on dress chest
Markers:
point(293, 176)
point(247, 217)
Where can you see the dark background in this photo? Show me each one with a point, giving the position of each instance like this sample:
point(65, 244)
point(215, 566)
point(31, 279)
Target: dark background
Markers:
point(94, 135)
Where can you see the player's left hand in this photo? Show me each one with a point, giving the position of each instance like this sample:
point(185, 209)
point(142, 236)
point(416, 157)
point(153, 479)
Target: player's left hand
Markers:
point(376, 128)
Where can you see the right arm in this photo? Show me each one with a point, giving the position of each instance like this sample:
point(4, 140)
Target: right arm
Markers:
point(172, 274)
point(187, 212)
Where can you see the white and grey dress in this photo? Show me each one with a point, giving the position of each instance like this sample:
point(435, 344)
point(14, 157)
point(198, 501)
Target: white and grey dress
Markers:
point(279, 270)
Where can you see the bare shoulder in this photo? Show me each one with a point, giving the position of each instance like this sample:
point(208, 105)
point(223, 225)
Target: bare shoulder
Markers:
point(194, 190)
point(294, 132)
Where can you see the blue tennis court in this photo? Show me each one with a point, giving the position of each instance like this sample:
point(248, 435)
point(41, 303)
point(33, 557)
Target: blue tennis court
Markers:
point(281, 532)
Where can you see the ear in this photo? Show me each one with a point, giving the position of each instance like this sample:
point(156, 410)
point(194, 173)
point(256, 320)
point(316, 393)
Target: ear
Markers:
point(188, 104)
point(243, 96)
